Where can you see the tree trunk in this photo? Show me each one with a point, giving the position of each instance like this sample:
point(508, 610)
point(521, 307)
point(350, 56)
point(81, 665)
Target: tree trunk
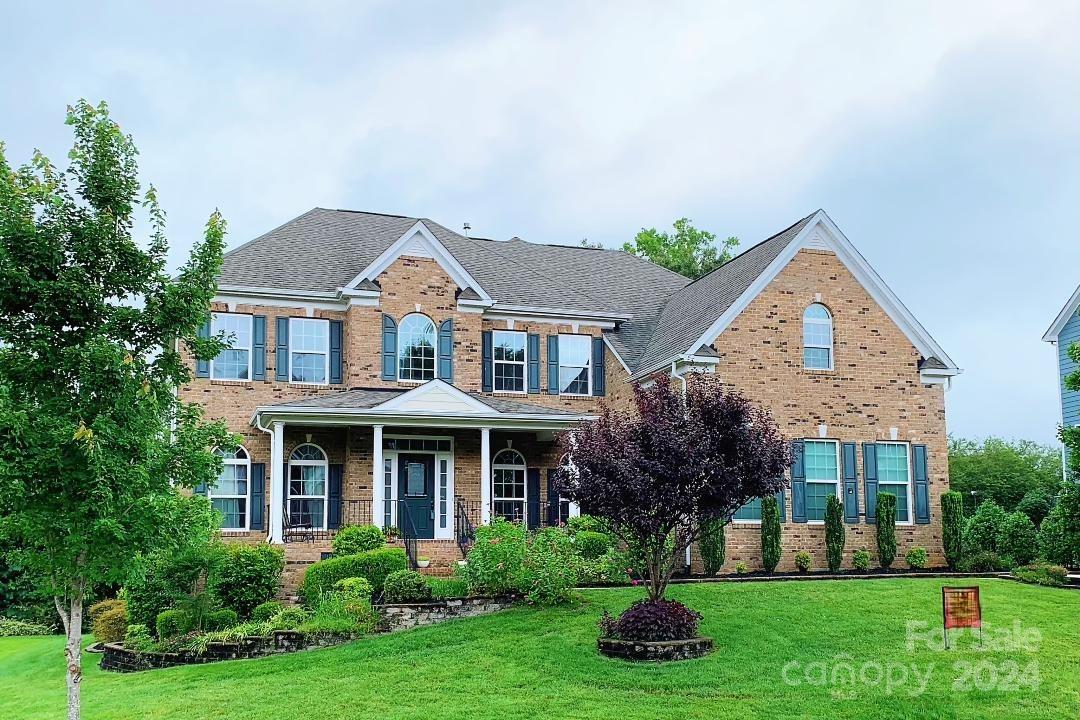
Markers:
point(72, 617)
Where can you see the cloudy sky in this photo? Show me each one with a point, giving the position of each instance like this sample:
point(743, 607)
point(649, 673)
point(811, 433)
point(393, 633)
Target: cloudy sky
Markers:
point(943, 138)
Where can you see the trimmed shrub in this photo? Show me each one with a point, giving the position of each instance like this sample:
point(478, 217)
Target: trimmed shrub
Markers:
point(549, 569)
point(712, 545)
point(803, 561)
point(354, 539)
point(589, 544)
point(173, 623)
point(357, 588)
point(447, 588)
point(289, 618)
point(984, 561)
point(265, 611)
point(740, 568)
point(1036, 504)
point(406, 586)
point(770, 533)
point(496, 559)
point(246, 576)
point(110, 624)
point(984, 528)
point(952, 528)
point(10, 627)
point(834, 533)
point(654, 622)
point(916, 558)
point(1018, 540)
point(1042, 574)
point(103, 606)
point(886, 528)
point(860, 560)
point(586, 523)
point(137, 637)
point(373, 565)
point(220, 619)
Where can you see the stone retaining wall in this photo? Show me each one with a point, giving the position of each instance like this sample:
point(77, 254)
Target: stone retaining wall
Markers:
point(642, 651)
point(117, 658)
point(405, 616)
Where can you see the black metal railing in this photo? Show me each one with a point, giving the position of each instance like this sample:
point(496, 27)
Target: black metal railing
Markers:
point(408, 532)
point(304, 525)
point(464, 527)
point(534, 513)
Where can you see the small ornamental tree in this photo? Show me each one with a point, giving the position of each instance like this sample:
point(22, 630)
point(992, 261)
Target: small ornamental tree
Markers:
point(660, 472)
point(94, 443)
point(712, 545)
point(770, 533)
point(886, 528)
point(834, 533)
point(952, 528)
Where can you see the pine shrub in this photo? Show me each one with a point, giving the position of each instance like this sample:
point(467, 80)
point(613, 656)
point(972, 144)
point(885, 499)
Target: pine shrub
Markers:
point(770, 533)
point(712, 545)
point(952, 528)
point(886, 528)
point(834, 533)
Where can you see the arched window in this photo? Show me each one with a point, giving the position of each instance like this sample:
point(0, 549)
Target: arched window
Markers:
point(817, 338)
point(230, 495)
point(416, 348)
point(508, 485)
point(307, 487)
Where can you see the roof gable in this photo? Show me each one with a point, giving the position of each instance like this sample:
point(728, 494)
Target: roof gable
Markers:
point(435, 397)
point(1063, 317)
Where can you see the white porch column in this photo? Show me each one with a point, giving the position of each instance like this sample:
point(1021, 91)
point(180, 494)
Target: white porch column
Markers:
point(377, 498)
point(277, 482)
point(485, 475)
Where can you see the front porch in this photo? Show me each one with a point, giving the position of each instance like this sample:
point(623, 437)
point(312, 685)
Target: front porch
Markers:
point(428, 466)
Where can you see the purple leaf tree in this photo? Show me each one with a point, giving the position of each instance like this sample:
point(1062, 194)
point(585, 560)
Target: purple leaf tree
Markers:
point(658, 471)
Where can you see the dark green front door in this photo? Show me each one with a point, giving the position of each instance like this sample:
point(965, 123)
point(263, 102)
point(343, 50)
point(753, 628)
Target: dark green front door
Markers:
point(416, 487)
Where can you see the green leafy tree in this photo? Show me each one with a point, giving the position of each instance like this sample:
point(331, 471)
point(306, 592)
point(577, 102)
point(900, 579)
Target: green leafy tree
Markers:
point(94, 444)
point(834, 533)
point(886, 528)
point(688, 250)
point(952, 528)
point(1002, 470)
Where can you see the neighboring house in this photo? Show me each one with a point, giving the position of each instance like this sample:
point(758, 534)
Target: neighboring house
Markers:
point(388, 370)
point(1062, 333)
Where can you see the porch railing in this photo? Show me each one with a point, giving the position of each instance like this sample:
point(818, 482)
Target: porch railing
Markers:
point(464, 528)
point(304, 527)
point(408, 533)
point(534, 513)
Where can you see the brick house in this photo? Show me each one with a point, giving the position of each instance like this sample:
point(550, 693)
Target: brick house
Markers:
point(387, 370)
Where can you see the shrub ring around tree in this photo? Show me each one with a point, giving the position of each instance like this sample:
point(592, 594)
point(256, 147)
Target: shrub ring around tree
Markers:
point(660, 651)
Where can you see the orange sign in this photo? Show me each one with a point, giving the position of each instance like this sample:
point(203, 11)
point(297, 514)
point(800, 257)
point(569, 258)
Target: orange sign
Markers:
point(961, 608)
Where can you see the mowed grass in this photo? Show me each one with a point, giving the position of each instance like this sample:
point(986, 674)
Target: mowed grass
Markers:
point(528, 663)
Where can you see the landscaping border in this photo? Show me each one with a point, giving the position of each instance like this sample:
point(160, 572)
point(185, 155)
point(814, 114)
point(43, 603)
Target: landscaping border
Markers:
point(772, 577)
point(403, 616)
point(659, 651)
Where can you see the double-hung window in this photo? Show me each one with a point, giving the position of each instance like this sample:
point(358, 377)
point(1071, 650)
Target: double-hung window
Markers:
point(235, 362)
point(817, 338)
point(509, 360)
point(821, 460)
point(894, 476)
point(309, 351)
point(750, 512)
point(307, 487)
point(230, 495)
point(575, 364)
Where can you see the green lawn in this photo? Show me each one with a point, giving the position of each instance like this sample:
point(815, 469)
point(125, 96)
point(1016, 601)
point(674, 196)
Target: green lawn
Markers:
point(528, 663)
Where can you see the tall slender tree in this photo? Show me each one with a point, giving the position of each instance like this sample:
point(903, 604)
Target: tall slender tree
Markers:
point(94, 443)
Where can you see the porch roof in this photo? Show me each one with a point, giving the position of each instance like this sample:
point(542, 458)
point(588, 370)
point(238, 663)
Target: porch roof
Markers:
point(435, 403)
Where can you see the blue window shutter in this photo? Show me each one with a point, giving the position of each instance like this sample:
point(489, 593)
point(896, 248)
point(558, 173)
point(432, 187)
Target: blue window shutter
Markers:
point(446, 350)
point(869, 469)
point(532, 512)
point(598, 366)
point(281, 351)
point(335, 474)
point(389, 348)
point(780, 505)
point(533, 350)
point(258, 347)
point(851, 485)
point(554, 504)
point(487, 370)
point(258, 496)
point(202, 367)
point(337, 340)
point(922, 485)
point(798, 483)
point(553, 364)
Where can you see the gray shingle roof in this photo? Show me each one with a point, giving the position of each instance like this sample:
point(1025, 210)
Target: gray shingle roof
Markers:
point(323, 250)
point(367, 398)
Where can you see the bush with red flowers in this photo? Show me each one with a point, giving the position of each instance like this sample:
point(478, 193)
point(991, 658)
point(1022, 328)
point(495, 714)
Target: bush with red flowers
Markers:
point(652, 621)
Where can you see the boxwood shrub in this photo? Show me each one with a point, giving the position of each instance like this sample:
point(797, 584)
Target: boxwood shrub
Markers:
point(353, 539)
point(860, 560)
point(220, 620)
point(246, 576)
point(265, 611)
point(803, 561)
point(373, 565)
point(590, 545)
point(174, 623)
point(916, 558)
point(406, 586)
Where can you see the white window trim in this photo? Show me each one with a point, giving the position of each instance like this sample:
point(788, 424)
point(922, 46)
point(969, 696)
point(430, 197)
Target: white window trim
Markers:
point(588, 366)
point(210, 492)
point(434, 347)
point(839, 473)
point(523, 363)
point(524, 468)
point(910, 482)
point(250, 351)
point(325, 354)
point(831, 347)
point(325, 465)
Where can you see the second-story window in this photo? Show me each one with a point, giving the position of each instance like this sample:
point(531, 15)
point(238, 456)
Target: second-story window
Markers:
point(575, 364)
point(309, 352)
point(416, 348)
point(817, 338)
point(234, 363)
point(509, 359)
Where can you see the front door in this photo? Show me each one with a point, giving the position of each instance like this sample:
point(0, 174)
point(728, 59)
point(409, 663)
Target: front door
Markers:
point(416, 475)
